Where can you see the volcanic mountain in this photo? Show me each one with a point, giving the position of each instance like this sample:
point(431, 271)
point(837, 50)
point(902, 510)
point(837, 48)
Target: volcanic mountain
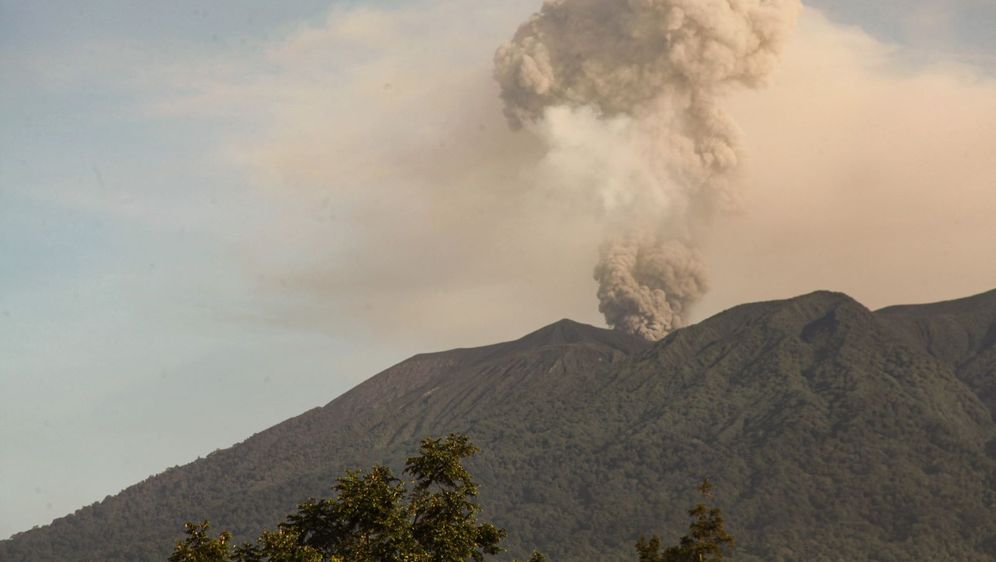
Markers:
point(831, 432)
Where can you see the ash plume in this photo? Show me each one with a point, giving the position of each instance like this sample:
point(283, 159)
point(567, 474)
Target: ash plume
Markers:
point(652, 72)
point(645, 285)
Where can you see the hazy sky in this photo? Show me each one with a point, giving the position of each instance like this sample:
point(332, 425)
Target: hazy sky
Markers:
point(214, 218)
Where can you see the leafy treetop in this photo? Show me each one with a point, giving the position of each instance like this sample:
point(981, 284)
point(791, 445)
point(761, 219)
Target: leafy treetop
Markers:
point(706, 541)
point(374, 517)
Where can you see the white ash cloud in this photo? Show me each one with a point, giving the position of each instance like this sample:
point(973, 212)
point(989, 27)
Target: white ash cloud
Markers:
point(650, 74)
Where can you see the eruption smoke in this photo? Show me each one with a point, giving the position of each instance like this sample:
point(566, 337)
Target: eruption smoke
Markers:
point(654, 69)
point(645, 285)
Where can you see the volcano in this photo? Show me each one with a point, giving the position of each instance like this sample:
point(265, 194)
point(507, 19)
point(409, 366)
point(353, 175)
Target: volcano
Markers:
point(830, 432)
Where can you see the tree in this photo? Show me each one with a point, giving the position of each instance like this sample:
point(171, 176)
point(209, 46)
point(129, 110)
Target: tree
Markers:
point(706, 541)
point(441, 506)
point(279, 546)
point(364, 521)
point(375, 517)
point(199, 547)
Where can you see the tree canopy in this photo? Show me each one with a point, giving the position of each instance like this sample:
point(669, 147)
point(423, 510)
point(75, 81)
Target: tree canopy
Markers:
point(373, 516)
point(706, 541)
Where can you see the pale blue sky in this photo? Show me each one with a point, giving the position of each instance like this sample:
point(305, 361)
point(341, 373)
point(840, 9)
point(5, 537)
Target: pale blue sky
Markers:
point(134, 332)
point(119, 352)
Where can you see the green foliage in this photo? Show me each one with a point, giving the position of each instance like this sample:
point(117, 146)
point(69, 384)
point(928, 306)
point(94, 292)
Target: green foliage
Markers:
point(375, 517)
point(365, 520)
point(199, 547)
point(441, 509)
point(282, 545)
point(706, 541)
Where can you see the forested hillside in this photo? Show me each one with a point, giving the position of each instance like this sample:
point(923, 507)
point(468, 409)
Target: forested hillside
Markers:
point(831, 432)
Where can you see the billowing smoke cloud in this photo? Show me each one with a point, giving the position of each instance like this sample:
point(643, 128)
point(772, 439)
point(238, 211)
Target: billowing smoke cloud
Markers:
point(393, 198)
point(645, 285)
point(648, 73)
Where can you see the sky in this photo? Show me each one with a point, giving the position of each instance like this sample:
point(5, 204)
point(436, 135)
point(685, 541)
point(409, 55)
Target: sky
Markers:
point(215, 218)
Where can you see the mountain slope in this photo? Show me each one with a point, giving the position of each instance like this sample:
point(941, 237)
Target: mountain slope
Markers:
point(960, 333)
point(831, 432)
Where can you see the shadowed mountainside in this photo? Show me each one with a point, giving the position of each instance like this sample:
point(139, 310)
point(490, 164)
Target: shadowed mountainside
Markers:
point(960, 333)
point(831, 433)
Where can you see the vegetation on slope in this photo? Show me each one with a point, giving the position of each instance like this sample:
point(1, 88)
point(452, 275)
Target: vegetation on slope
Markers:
point(832, 432)
point(375, 517)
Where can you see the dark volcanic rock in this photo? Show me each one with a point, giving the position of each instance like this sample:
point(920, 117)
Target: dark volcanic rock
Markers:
point(831, 433)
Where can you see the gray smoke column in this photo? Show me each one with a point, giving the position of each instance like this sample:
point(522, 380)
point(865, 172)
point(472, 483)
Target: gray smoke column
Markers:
point(645, 285)
point(652, 71)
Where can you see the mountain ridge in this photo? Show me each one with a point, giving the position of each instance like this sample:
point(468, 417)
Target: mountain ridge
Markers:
point(828, 428)
point(961, 333)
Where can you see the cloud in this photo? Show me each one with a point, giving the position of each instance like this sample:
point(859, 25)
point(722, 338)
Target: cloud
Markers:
point(402, 206)
point(929, 30)
point(866, 176)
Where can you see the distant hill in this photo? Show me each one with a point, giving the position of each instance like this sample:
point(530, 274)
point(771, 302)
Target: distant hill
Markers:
point(830, 431)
